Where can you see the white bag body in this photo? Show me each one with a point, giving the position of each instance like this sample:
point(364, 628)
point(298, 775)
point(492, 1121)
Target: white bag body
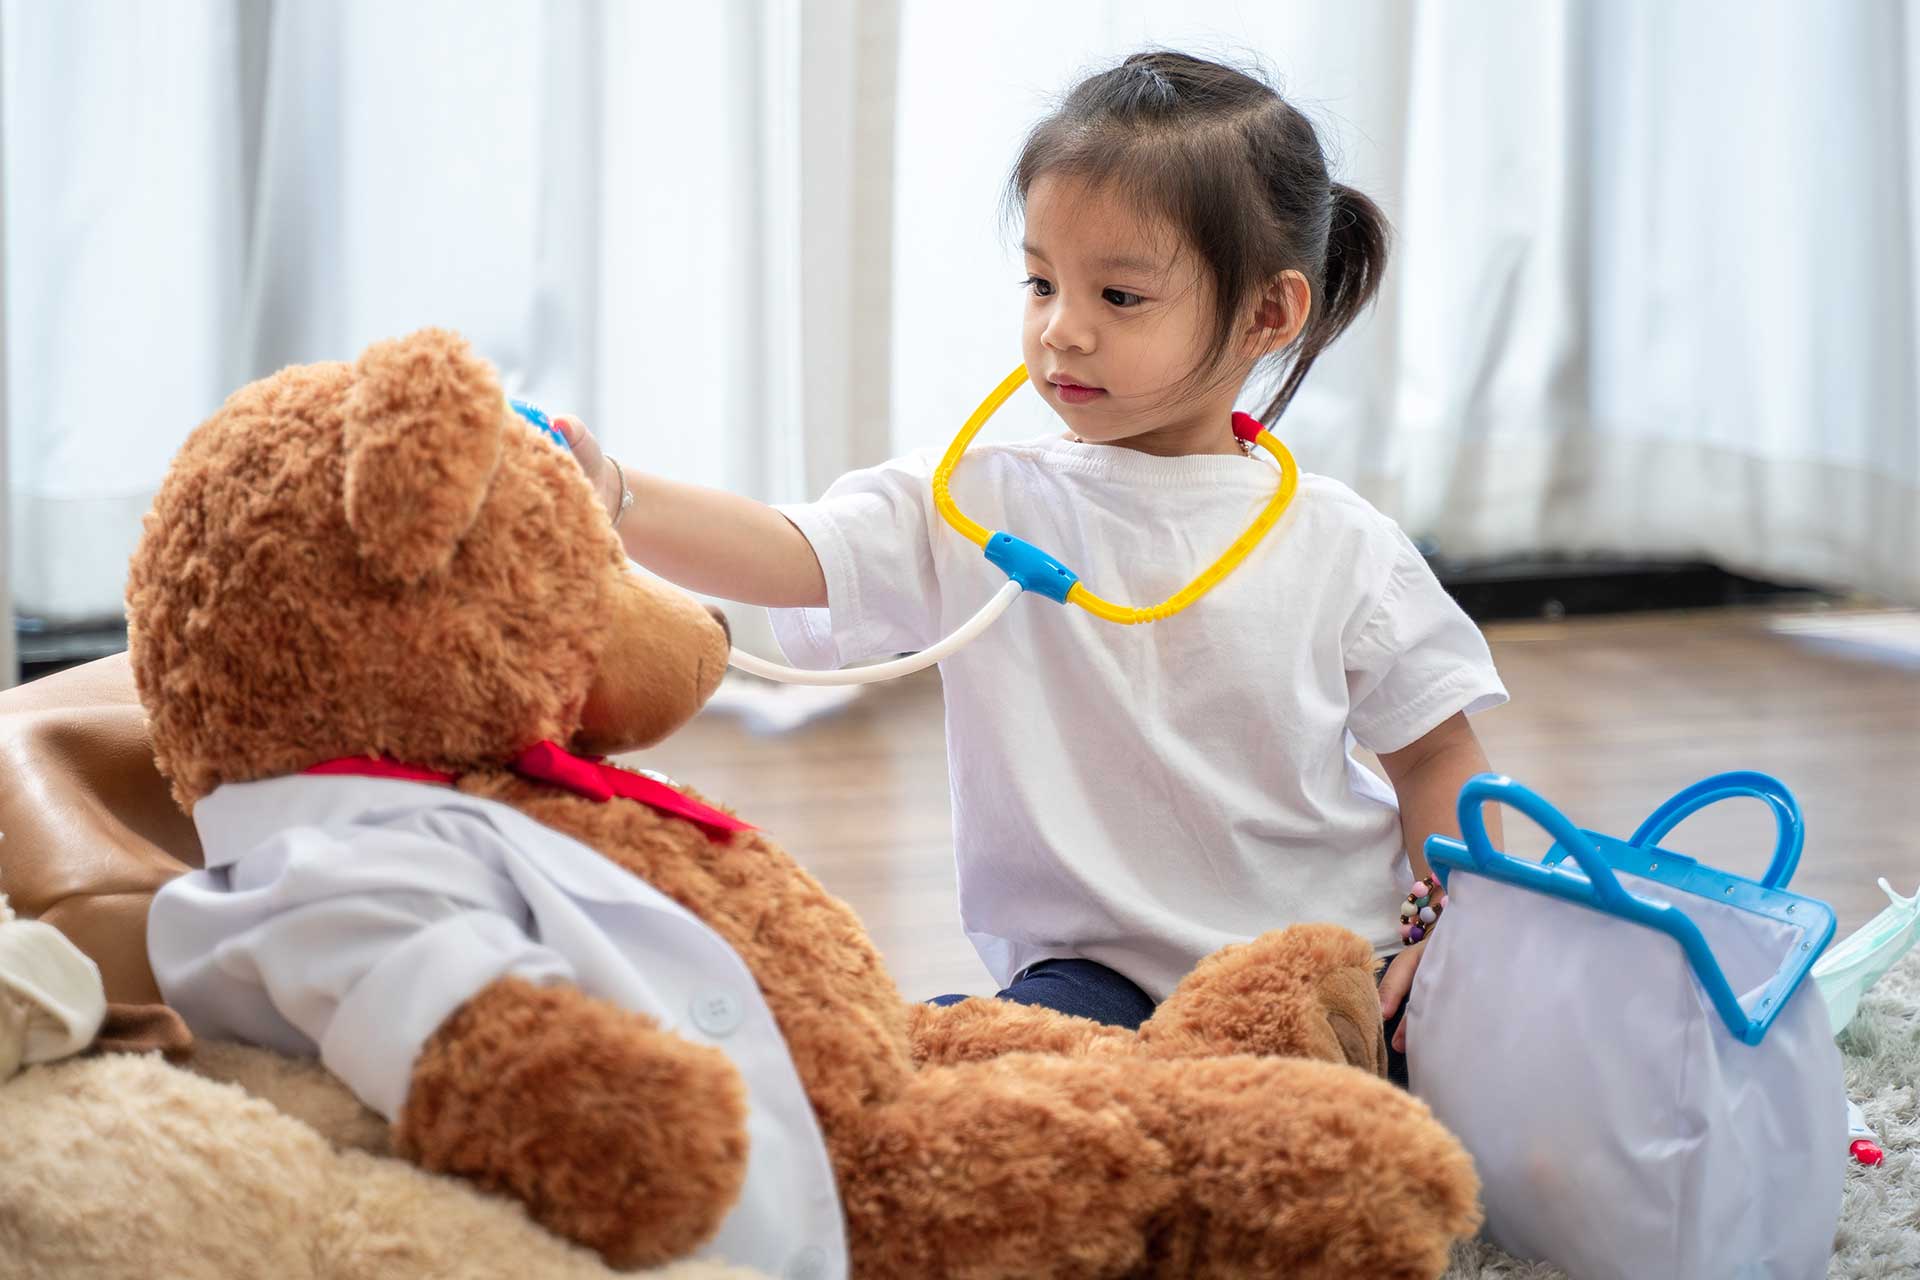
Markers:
point(1619, 1126)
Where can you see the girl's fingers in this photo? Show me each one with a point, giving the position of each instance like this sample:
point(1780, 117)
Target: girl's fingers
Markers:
point(582, 441)
point(586, 449)
point(1399, 979)
point(1391, 994)
point(586, 452)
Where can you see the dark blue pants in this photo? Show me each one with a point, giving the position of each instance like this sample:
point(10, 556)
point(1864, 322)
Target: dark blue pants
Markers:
point(1079, 987)
point(1089, 990)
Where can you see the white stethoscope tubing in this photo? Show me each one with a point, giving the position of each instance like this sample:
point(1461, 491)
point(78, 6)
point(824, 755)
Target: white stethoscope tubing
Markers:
point(885, 670)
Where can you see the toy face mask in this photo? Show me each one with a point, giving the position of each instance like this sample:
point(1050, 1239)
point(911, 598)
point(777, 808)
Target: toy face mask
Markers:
point(1857, 961)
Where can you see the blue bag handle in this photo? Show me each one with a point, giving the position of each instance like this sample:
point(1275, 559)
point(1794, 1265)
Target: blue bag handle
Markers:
point(1602, 891)
point(1729, 786)
point(1606, 891)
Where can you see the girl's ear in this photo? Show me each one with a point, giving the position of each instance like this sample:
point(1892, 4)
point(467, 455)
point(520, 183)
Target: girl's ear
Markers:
point(1279, 314)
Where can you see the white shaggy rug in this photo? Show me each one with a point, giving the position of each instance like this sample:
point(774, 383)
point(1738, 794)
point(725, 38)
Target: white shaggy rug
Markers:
point(1879, 1235)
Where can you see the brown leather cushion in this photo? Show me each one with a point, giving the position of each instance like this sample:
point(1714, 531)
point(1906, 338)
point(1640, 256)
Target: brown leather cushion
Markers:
point(88, 829)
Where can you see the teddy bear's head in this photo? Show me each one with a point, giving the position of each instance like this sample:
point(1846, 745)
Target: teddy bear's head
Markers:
point(383, 558)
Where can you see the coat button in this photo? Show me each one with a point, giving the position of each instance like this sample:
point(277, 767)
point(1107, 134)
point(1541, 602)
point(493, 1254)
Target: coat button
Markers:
point(718, 1013)
point(808, 1264)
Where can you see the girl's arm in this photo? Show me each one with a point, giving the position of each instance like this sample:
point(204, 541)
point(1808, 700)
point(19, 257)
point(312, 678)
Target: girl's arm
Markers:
point(716, 543)
point(1427, 776)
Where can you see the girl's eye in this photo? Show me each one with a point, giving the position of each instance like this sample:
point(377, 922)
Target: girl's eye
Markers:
point(1041, 288)
point(1121, 298)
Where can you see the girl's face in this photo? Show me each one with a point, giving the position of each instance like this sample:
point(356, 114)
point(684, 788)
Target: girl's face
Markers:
point(1118, 316)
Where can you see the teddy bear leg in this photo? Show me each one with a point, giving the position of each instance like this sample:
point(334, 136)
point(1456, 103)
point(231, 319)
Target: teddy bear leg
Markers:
point(613, 1132)
point(976, 1030)
point(1304, 992)
point(1301, 1169)
point(1022, 1166)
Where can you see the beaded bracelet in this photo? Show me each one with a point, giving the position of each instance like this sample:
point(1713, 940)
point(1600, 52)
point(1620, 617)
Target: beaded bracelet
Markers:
point(1421, 909)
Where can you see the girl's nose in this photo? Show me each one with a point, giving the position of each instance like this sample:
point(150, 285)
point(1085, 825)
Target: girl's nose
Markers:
point(1065, 331)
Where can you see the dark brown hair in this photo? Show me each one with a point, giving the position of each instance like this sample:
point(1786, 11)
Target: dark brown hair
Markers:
point(1239, 172)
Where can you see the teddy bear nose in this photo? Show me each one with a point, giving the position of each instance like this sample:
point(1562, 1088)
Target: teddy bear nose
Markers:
point(721, 618)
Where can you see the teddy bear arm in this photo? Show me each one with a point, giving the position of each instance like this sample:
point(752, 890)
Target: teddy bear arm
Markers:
point(1302, 992)
point(614, 1132)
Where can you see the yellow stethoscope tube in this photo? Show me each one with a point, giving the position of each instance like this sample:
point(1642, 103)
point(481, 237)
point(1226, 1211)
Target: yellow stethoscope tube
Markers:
point(1030, 569)
point(1078, 593)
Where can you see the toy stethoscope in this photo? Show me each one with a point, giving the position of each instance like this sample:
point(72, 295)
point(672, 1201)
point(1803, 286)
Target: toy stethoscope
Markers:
point(1027, 567)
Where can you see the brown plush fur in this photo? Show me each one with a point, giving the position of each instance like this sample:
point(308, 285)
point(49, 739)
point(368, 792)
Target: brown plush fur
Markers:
point(497, 1096)
point(379, 560)
point(1300, 992)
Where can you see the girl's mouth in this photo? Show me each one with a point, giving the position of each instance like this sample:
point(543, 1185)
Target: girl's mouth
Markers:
point(1074, 393)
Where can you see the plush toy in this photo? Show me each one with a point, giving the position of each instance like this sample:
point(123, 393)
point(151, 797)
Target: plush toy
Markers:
point(379, 568)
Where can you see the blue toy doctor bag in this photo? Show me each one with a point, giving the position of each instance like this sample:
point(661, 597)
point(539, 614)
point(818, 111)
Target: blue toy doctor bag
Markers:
point(1624, 1040)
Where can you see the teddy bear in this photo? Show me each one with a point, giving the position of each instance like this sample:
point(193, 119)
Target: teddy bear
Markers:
point(376, 575)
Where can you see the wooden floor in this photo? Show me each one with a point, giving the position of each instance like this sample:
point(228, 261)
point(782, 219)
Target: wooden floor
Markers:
point(1608, 718)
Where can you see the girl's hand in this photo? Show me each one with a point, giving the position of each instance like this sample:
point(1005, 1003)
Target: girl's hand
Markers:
point(1394, 988)
point(706, 540)
point(586, 451)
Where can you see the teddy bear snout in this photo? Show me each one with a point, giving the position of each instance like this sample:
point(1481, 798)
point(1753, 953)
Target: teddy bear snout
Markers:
point(720, 616)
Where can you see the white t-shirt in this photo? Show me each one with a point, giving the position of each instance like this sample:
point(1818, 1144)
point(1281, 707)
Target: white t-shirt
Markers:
point(1142, 796)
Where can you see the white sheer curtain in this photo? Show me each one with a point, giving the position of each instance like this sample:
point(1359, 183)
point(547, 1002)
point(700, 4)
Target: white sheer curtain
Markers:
point(648, 215)
point(1657, 288)
point(1657, 284)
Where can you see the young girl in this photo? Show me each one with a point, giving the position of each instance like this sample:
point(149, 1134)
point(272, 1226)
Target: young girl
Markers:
point(1128, 799)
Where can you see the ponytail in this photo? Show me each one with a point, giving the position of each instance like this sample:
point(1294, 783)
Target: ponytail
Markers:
point(1357, 242)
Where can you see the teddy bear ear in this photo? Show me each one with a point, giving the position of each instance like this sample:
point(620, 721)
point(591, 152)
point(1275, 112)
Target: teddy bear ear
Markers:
point(422, 433)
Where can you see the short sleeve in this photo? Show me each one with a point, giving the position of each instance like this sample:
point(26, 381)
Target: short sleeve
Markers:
point(871, 533)
point(1417, 661)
